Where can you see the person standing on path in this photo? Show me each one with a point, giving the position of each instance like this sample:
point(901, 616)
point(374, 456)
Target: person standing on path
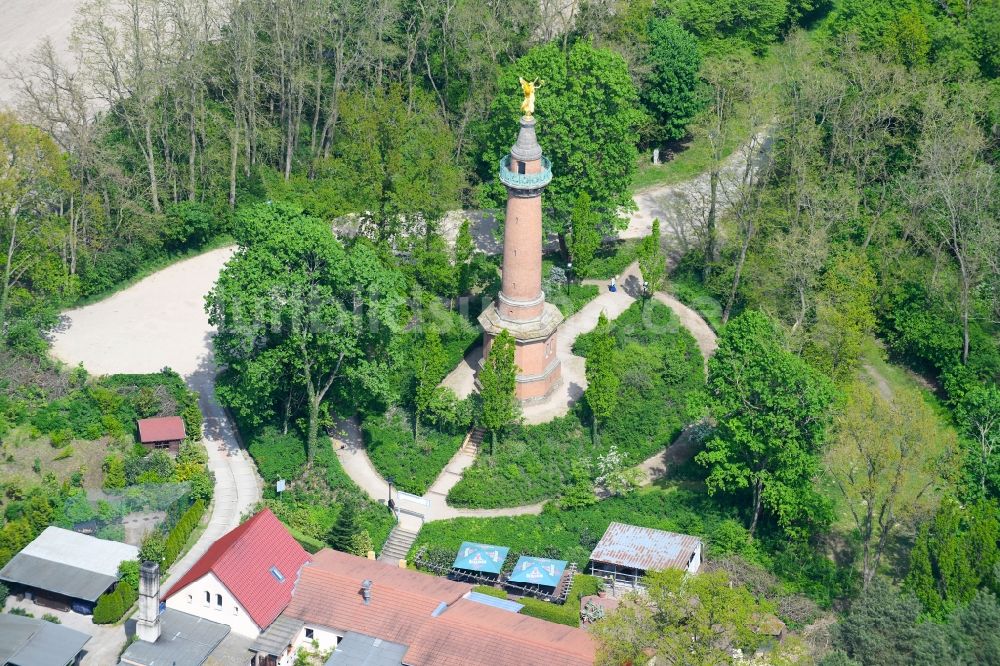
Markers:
point(614, 284)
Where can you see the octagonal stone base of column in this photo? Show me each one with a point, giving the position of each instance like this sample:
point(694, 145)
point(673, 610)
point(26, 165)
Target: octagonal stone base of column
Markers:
point(535, 353)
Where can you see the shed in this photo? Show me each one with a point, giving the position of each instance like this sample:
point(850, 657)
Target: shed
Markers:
point(64, 569)
point(25, 641)
point(162, 432)
point(626, 552)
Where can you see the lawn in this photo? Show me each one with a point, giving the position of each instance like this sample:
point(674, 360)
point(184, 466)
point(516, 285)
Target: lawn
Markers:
point(414, 464)
point(693, 157)
point(661, 373)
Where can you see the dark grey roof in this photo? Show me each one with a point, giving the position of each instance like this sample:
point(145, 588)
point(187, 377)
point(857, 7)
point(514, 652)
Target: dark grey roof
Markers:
point(56, 577)
point(184, 639)
point(360, 650)
point(277, 637)
point(25, 641)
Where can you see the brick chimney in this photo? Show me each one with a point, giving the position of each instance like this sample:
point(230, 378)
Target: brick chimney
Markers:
point(147, 627)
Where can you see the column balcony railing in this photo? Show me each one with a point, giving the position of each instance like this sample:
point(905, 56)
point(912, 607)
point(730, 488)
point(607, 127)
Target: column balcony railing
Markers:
point(525, 181)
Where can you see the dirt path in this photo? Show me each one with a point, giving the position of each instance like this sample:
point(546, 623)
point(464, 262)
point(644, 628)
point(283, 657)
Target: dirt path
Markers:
point(161, 322)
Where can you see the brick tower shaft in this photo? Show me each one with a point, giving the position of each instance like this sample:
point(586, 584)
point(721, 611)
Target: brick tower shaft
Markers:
point(520, 307)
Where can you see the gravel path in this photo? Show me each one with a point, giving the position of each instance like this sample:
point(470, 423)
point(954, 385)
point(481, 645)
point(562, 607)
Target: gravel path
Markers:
point(161, 322)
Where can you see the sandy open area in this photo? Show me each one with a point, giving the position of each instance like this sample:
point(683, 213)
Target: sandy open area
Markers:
point(24, 24)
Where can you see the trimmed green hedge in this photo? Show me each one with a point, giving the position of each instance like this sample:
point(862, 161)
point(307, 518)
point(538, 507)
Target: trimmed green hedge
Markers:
point(111, 606)
point(181, 532)
point(567, 613)
point(414, 465)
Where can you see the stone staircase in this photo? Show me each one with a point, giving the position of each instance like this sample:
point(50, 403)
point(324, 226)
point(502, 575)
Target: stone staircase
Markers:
point(473, 441)
point(397, 545)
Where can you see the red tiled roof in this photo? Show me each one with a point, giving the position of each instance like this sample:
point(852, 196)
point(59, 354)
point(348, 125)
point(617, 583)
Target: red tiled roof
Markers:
point(402, 607)
point(242, 561)
point(161, 429)
point(497, 636)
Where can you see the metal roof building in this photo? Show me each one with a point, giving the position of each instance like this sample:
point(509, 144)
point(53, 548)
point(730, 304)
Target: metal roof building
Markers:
point(185, 639)
point(25, 641)
point(626, 552)
point(63, 566)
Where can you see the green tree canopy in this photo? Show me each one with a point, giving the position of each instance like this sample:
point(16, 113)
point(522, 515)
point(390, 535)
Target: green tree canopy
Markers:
point(670, 90)
point(585, 87)
point(602, 378)
point(772, 411)
point(300, 319)
point(498, 383)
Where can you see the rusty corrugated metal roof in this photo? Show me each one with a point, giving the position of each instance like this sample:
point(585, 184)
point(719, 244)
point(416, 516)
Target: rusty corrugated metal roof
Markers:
point(644, 548)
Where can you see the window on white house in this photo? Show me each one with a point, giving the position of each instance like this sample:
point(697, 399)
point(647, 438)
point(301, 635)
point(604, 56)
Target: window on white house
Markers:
point(218, 600)
point(309, 633)
point(189, 599)
point(208, 597)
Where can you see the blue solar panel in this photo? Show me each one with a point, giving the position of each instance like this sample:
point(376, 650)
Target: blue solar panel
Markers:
point(503, 604)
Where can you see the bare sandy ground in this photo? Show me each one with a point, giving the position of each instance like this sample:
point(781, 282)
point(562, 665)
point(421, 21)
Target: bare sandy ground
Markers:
point(161, 322)
point(24, 24)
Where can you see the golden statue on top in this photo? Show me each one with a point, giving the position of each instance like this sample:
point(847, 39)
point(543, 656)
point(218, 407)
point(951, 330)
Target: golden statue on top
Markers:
point(529, 88)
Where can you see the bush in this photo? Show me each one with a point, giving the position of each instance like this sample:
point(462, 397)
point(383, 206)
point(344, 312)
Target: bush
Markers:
point(414, 465)
point(567, 613)
point(278, 456)
point(49, 617)
point(4, 593)
point(662, 381)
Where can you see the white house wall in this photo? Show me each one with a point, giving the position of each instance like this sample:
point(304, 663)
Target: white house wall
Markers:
point(191, 600)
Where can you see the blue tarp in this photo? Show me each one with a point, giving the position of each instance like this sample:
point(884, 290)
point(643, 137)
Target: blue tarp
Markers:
point(480, 557)
point(538, 571)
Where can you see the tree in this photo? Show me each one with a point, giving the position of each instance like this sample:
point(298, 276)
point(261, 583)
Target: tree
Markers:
point(497, 386)
point(684, 620)
point(955, 554)
point(887, 456)
point(154, 548)
point(727, 86)
point(429, 369)
point(978, 414)
point(585, 239)
point(845, 316)
point(881, 628)
point(652, 261)
point(396, 157)
point(669, 91)
point(298, 314)
point(33, 175)
point(345, 529)
point(617, 475)
point(584, 87)
point(602, 378)
point(465, 250)
point(954, 194)
point(580, 491)
point(772, 412)
point(433, 266)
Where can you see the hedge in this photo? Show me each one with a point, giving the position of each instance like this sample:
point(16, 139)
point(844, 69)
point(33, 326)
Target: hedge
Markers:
point(111, 606)
point(567, 613)
point(181, 532)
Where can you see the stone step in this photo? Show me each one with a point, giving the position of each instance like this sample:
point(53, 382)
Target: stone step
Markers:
point(397, 545)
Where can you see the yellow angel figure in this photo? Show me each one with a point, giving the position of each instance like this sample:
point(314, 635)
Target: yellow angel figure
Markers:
point(529, 88)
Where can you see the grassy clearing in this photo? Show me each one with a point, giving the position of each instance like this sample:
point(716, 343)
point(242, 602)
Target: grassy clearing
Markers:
point(692, 157)
point(19, 450)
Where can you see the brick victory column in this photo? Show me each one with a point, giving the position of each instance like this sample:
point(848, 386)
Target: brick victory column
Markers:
point(520, 307)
